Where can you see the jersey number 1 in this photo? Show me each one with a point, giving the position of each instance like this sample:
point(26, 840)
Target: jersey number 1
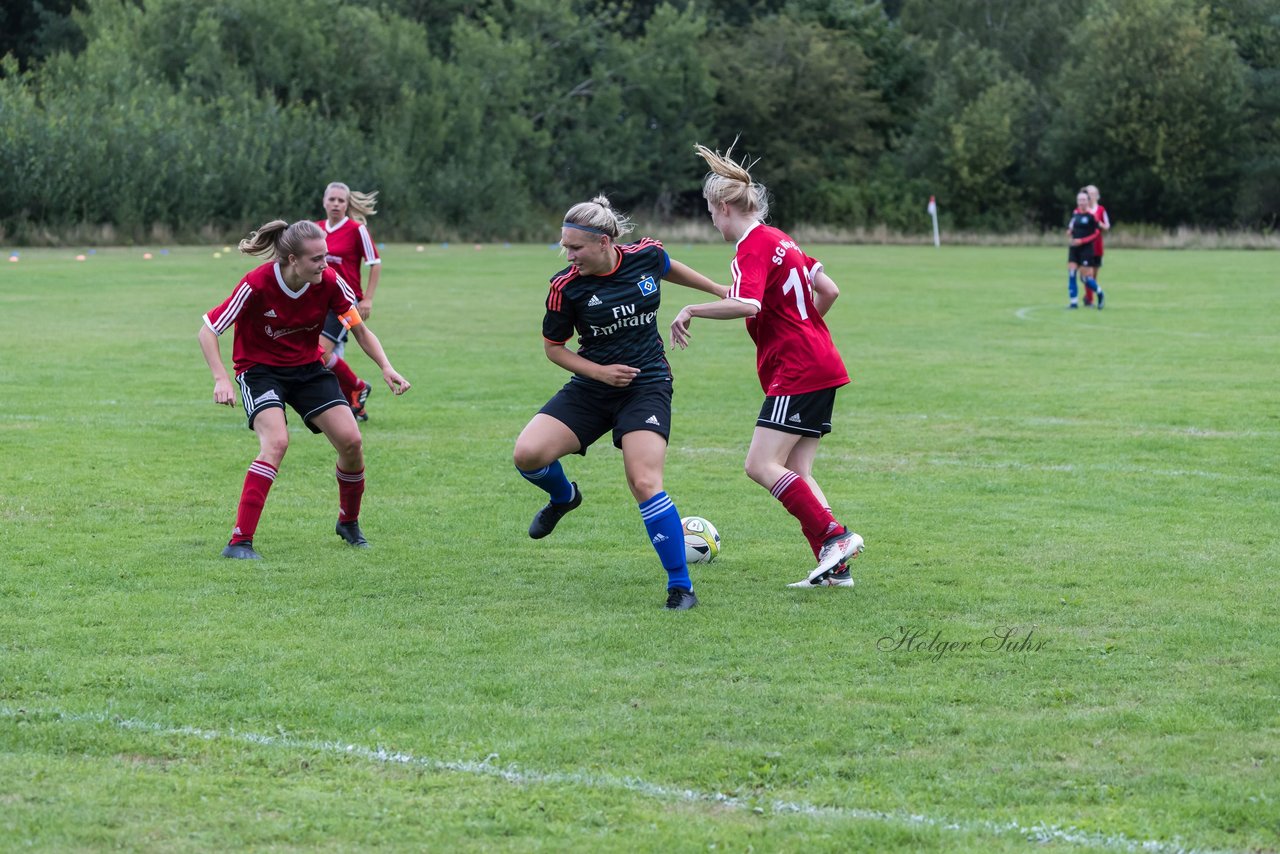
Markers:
point(794, 285)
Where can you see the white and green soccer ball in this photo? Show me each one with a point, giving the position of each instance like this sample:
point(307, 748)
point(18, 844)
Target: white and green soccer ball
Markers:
point(701, 540)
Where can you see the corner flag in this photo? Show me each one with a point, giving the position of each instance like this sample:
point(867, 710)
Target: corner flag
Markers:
point(933, 212)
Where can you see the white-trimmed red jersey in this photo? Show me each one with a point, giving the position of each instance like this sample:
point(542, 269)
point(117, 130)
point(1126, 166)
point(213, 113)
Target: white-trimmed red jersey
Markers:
point(794, 350)
point(1100, 214)
point(347, 244)
point(277, 326)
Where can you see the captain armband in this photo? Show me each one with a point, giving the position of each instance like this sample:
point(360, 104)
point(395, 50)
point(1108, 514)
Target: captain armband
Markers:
point(350, 318)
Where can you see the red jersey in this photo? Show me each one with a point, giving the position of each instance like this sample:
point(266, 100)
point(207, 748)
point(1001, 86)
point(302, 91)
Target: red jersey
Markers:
point(275, 325)
point(346, 245)
point(794, 350)
point(1100, 214)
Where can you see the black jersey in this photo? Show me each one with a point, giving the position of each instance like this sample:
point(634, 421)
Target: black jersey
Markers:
point(615, 314)
point(1083, 224)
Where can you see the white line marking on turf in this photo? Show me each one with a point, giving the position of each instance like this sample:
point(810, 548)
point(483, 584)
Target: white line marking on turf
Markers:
point(1024, 313)
point(511, 773)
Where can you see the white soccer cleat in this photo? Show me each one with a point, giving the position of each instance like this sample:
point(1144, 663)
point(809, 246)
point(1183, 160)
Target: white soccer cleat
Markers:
point(839, 577)
point(840, 548)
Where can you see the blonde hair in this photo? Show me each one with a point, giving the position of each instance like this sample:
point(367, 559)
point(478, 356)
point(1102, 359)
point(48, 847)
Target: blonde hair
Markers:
point(599, 216)
point(280, 238)
point(1092, 192)
point(360, 206)
point(730, 182)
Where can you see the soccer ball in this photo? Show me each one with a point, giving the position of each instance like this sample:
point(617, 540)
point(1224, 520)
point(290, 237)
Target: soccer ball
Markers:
point(701, 540)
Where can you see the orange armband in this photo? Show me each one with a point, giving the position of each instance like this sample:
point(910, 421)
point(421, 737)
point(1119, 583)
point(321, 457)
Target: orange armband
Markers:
point(351, 318)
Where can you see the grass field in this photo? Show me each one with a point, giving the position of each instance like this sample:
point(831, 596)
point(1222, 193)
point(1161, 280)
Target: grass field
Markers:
point(1103, 488)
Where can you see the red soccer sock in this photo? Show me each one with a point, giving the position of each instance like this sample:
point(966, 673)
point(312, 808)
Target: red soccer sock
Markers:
point(346, 377)
point(815, 543)
point(350, 493)
point(816, 521)
point(257, 483)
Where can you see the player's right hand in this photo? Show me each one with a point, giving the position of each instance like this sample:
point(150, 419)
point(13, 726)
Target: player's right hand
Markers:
point(618, 376)
point(223, 393)
point(680, 328)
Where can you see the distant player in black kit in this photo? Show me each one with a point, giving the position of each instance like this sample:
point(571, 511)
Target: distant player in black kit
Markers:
point(609, 296)
point(1084, 232)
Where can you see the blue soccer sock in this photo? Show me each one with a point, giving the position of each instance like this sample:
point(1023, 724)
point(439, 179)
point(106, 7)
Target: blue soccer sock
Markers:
point(1091, 283)
point(1073, 290)
point(662, 521)
point(551, 480)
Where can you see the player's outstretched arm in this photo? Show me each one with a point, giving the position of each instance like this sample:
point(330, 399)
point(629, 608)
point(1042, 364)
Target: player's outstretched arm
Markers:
point(683, 274)
point(725, 309)
point(373, 349)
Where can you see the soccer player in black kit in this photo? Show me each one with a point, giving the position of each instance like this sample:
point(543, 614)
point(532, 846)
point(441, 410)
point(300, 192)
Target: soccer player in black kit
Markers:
point(1085, 232)
point(609, 296)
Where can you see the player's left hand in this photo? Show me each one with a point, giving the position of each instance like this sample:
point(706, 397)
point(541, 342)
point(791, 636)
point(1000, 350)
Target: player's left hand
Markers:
point(365, 307)
point(395, 382)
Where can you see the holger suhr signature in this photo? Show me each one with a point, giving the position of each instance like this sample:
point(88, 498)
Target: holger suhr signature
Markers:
point(933, 645)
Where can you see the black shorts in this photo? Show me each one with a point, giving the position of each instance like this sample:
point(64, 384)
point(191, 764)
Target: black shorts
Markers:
point(806, 414)
point(334, 329)
point(1081, 256)
point(1097, 262)
point(309, 389)
point(590, 411)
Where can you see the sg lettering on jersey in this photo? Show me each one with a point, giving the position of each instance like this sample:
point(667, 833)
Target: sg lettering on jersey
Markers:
point(780, 252)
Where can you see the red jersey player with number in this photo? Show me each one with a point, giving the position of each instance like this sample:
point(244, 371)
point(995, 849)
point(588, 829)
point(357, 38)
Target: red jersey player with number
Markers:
point(277, 311)
point(348, 246)
point(783, 294)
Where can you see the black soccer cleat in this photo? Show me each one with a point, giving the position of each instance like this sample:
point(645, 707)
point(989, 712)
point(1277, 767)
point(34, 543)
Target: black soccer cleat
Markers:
point(350, 531)
point(242, 550)
point(546, 519)
point(358, 397)
point(680, 599)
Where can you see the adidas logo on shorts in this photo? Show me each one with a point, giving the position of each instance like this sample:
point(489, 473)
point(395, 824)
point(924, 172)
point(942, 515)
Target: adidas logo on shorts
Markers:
point(652, 419)
point(795, 418)
point(595, 300)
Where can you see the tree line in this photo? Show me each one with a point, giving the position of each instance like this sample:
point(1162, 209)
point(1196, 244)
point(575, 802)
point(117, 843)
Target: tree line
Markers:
point(485, 119)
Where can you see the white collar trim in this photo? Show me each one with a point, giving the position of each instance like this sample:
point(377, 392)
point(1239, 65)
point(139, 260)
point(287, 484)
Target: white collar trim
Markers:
point(284, 286)
point(750, 229)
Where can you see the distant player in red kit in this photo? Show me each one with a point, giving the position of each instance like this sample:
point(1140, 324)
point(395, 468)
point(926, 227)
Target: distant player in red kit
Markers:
point(783, 294)
point(349, 246)
point(1104, 225)
point(277, 311)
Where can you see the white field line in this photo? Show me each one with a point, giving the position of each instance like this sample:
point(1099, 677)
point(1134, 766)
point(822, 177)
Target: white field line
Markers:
point(1026, 311)
point(1039, 833)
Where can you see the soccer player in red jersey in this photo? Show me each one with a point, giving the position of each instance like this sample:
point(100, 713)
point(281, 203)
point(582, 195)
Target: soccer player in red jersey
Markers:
point(783, 294)
point(277, 311)
point(348, 245)
point(1104, 223)
point(609, 296)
